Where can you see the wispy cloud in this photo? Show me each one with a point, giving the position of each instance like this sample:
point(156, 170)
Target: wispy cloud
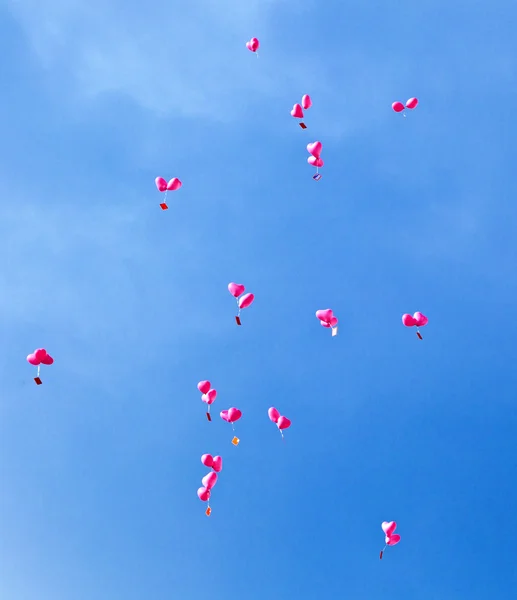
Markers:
point(173, 58)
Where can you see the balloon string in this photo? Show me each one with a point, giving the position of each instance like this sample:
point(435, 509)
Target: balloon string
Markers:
point(38, 370)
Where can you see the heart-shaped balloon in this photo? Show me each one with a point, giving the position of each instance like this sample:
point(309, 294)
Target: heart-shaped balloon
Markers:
point(411, 103)
point(209, 397)
point(207, 460)
point(234, 414)
point(333, 322)
point(325, 315)
point(306, 101)
point(47, 360)
point(325, 324)
point(236, 289)
point(224, 415)
point(217, 464)
point(297, 112)
point(397, 106)
point(315, 149)
point(273, 414)
point(40, 354)
point(33, 360)
point(408, 320)
point(420, 319)
point(315, 162)
point(203, 494)
point(209, 480)
point(203, 386)
point(392, 539)
point(246, 300)
point(283, 423)
point(253, 44)
point(161, 184)
point(174, 184)
point(389, 527)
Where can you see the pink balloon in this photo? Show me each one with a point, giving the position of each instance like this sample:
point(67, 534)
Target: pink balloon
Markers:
point(33, 360)
point(246, 300)
point(389, 527)
point(234, 414)
point(236, 289)
point(207, 460)
point(306, 101)
point(253, 44)
point(209, 480)
point(315, 162)
point(333, 322)
point(224, 415)
point(412, 103)
point(174, 184)
point(48, 360)
point(203, 386)
point(325, 315)
point(217, 464)
point(283, 423)
point(392, 540)
point(325, 324)
point(408, 320)
point(209, 397)
point(397, 106)
point(315, 149)
point(420, 319)
point(297, 112)
point(273, 414)
point(161, 184)
point(203, 494)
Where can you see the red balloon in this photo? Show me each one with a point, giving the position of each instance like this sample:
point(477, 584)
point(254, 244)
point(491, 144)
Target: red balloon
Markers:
point(397, 106)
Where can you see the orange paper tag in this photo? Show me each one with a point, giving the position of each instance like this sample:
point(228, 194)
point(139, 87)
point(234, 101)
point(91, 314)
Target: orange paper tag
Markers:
point(163, 206)
point(38, 380)
point(235, 441)
point(303, 126)
point(208, 511)
point(238, 320)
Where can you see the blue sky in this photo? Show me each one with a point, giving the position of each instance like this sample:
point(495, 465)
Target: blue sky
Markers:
point(100, 465)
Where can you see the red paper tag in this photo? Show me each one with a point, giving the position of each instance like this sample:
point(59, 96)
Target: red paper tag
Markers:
point(163, 206)
point(303, 126)
point(238, 320)
point(208, 416)
point(38, 380)
point(419, 336)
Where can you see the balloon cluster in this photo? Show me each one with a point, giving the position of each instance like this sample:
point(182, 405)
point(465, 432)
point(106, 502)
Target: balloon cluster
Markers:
point(399, 107)
point(297, 111)
point(210, 479)
point(281, 421)
point(417, 320)
point(245, 300)
point(315, 159)
point(164, 186)
point(391, 538)
point(37, 358)
point(208, 395)
point(232, 415)
point(327, 319)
